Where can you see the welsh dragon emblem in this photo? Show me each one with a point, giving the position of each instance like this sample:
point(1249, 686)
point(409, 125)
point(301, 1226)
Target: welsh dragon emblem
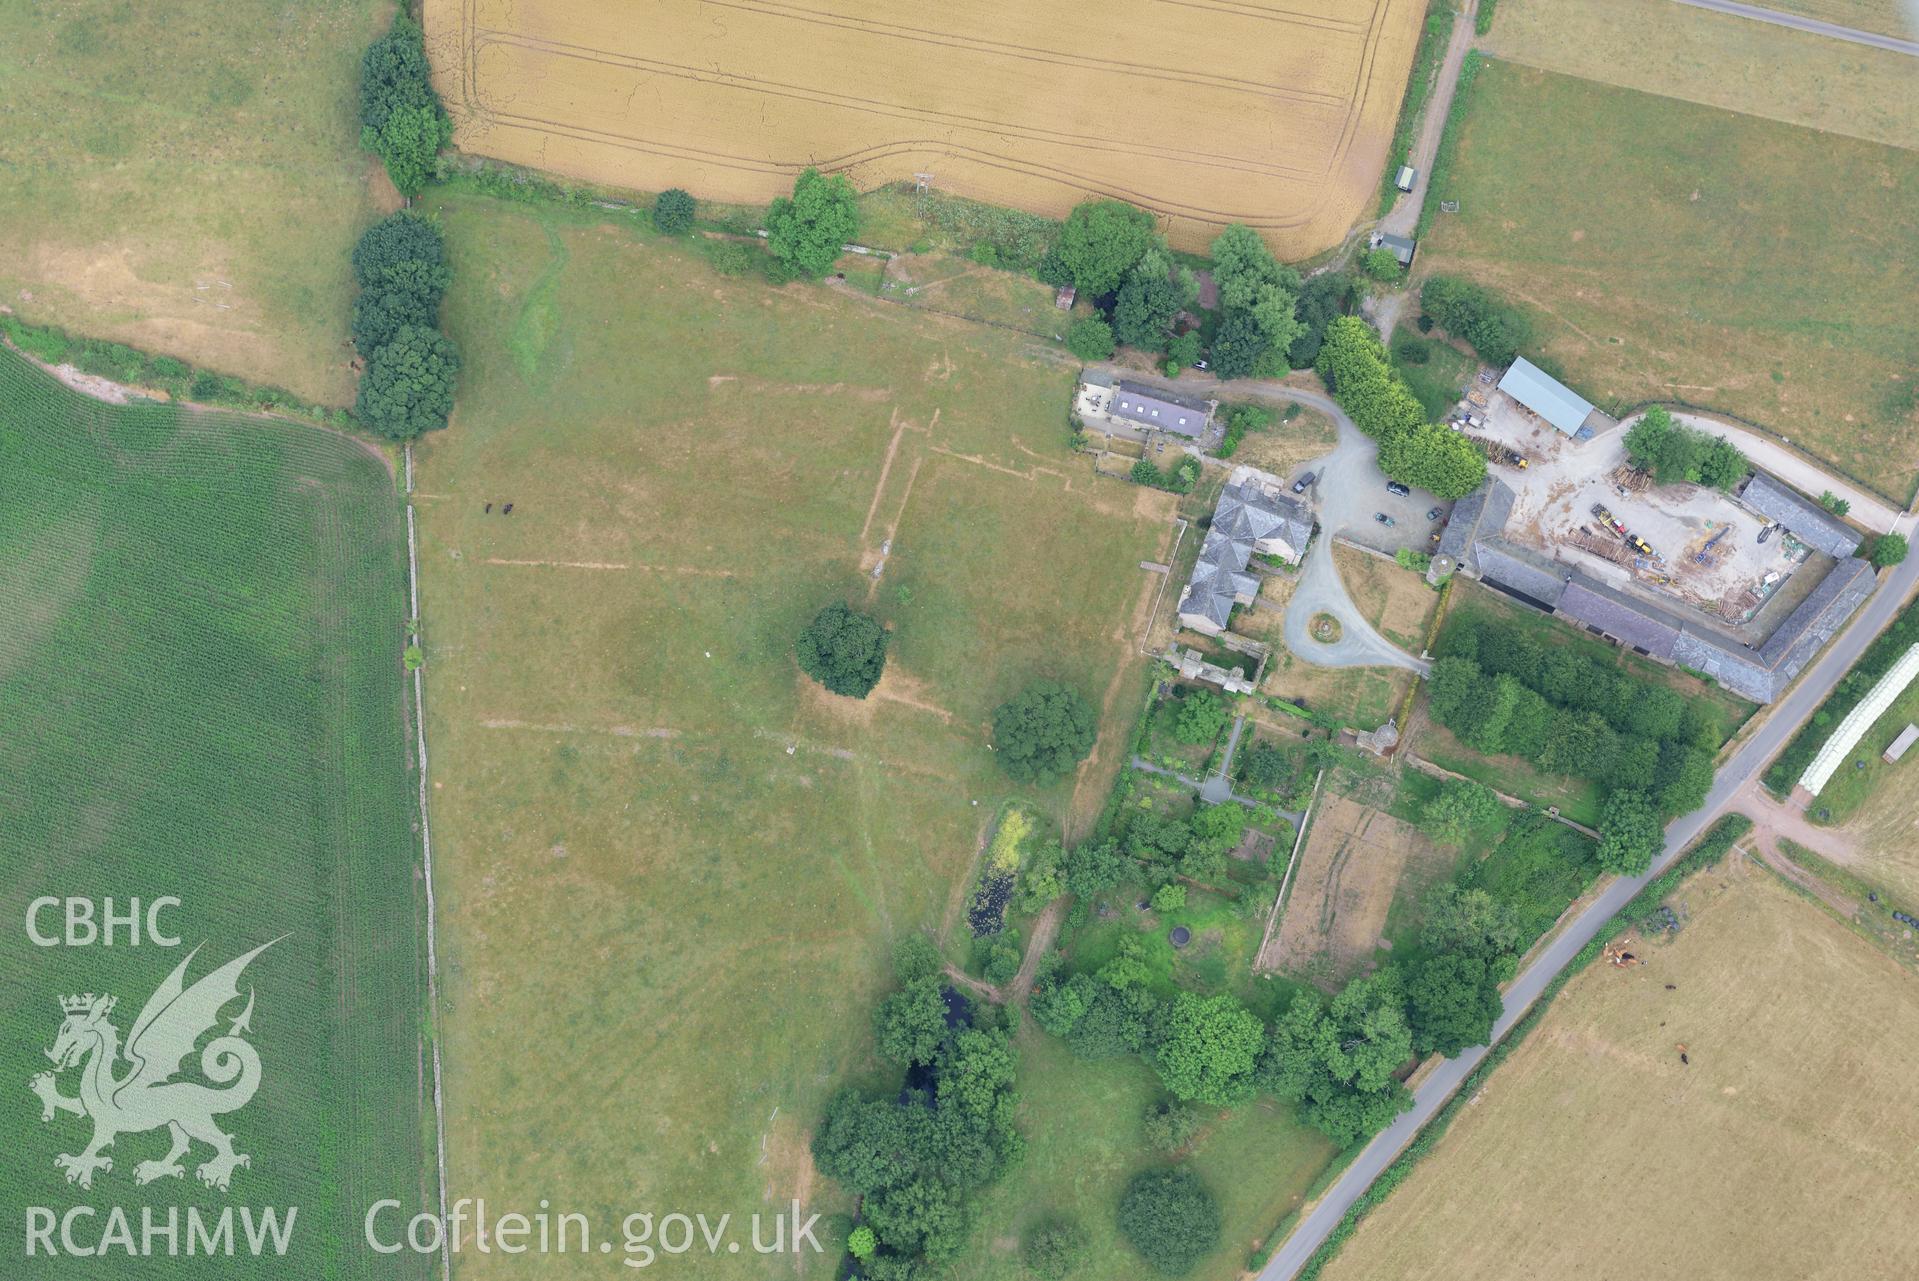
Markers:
point(145, 1096)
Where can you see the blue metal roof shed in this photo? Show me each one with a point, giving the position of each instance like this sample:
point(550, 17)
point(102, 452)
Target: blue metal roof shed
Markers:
point(1546, 396)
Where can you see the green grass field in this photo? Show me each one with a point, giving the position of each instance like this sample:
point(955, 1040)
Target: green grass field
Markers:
point(200, 670)
point(1082, 1127)
point(671, 868)
point(1689, 254)
point(187, 179)
point(1439, 379)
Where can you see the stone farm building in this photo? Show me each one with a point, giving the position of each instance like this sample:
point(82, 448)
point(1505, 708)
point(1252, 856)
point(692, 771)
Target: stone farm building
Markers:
point(1160, 410)
point(1473, 544)
point(1254, 517)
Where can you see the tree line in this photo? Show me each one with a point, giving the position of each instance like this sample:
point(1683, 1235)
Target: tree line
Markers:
point(1355, 367)
point(409, 366)
point(1650, 750)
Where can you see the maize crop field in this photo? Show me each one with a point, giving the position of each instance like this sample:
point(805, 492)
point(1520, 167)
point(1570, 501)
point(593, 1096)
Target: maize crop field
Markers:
point(201, 701)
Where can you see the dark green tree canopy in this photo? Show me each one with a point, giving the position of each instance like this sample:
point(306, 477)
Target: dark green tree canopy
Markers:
point(1452, 1002)
point(1630, 833)
point(843, 650)
point(1674, 452)
point(408, 384)
point(1887, 549)
point(673, 211)
point(401, 118)
point(1171, 1218)
point(911, 1023)
point(1209, 1048)
point(380, 314)
point(807, 229)
point(1090, 338)
point(402, 249)
point(1101, 242)
point(1043, 733)
point(394, 74)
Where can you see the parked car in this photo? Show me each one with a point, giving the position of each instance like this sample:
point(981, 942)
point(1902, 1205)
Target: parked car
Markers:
point(1201, 364)
point(1394, 487)
point(1384, 519)
point(1299, 486)
point(1434, 514)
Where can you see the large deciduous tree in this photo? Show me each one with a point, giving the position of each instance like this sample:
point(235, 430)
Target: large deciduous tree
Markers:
point(1043, 733)
point(401, 119)
point(843, 650)
point(1102, 241)
point(1171, 1218)
point(807, 230)
point(408, 384)
point(1630, 833)
point(1209, 1048)
point(1452, 1002)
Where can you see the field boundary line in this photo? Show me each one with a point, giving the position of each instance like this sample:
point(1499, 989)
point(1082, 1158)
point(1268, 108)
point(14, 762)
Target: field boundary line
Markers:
point(426, 869)
point(1299, 842)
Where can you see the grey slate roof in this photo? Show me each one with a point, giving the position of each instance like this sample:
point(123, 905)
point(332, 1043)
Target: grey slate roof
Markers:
point(1402, 247)
point(1250, 510)
point(1247, 513)
point(1482, 512)
point(1809, 627)
point(1625, 618)
point(1762, 674)
point(1520, 570)
point(1165, 410)
point(1809, 522)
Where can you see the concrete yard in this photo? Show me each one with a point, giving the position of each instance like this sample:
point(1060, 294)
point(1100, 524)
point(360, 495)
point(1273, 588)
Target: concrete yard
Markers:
point(1553, 511)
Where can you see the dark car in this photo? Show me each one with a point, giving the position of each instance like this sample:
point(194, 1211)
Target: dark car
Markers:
point(1383, 518)
point(1394, 487)
point(1434, 514)
point(1299, 486)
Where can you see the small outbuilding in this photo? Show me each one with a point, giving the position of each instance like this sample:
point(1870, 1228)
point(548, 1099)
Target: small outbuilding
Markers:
point(1907, 737)
point(1406, 177)
point(1402, 247)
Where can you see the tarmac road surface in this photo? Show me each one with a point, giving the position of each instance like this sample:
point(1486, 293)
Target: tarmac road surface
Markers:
point(1759, 13)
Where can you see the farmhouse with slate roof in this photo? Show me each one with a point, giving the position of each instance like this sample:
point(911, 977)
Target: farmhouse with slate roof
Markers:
point(1254, 516)
point(1164, 410)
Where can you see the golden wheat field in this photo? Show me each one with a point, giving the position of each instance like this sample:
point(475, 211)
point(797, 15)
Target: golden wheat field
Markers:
point(1204, 111)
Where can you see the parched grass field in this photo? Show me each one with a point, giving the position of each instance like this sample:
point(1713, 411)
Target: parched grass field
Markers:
point(1721, 60)
point(1345, 884)
point(1395, 600)
point(200, 668)
point(186, 178)
point(1206, 112)
point(1785, 1147)
point(672, 869)
point(1689, 254)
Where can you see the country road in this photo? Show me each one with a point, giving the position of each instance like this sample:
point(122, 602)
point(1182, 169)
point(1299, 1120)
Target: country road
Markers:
point(1745, 764)
point(1759, 13)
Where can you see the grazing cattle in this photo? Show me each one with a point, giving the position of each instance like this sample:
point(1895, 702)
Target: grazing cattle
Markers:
point(507, 510)
point(488, 509)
